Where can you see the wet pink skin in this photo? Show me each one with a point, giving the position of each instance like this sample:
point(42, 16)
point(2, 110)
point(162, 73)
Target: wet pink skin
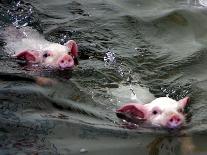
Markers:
point(174, 121)
point(62, 60)
point(161, 112)
point(28, 55)
point(66, 61)
point(71, 44)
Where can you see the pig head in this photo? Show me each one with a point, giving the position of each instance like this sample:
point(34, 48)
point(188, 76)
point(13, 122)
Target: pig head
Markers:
point(162, 112)
point(53, 55)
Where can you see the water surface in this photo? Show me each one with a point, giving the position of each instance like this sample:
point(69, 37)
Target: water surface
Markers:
point(151, 48)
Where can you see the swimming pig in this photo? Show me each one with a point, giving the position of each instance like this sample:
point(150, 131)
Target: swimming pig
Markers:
point(53, 55)
point(161, 112)
point(27, 44)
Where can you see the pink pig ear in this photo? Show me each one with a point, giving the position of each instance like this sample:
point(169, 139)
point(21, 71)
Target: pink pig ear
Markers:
point(29, 56)
point(183, 102)
point(71, 44)
point(132, 111)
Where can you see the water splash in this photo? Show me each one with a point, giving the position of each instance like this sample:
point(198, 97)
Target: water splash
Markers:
point(110, 58)
point(197, 3)
point(63, 39)
point(20, 14)
point(203, 2)
point(83, 150)
point(133, 94)
point(125, 73)
point(111, 61)
point(120, 70)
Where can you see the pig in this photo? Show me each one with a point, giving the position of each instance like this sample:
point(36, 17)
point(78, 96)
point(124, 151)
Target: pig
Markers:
point(27, 44)
point(53, 55)
point(162, 112)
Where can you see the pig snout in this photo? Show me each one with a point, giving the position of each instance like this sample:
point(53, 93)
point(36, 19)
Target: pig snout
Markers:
point(65, 61)
point(174, 121)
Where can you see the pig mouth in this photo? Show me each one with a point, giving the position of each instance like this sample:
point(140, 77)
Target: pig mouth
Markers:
point(173, 127)
point(56, 67)
point(65, 68)
point(130, 118)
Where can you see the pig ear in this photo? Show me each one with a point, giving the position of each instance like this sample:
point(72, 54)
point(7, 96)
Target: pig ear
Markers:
point(132, 110)
point(29, 56)
point(71, 44)
point(183, 102)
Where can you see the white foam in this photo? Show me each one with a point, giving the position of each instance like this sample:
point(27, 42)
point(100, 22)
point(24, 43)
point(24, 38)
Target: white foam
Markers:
point(22, 39)
point(125, 94)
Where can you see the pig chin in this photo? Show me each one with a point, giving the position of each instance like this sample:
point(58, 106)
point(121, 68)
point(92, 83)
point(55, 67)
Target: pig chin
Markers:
point(67, 66)
point(174, 125)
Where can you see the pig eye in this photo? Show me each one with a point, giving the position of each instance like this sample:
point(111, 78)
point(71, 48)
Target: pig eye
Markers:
point(154, 112)
point(46, 55)
point(180, 110)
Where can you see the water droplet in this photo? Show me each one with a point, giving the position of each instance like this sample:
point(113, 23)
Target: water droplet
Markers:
point(203, 3)
point(18, 4)
point(109, 58)
point(93, 45)
point(25, 24)
point(82, 150)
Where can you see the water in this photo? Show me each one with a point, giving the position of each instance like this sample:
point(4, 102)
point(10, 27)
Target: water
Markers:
point(129, 51)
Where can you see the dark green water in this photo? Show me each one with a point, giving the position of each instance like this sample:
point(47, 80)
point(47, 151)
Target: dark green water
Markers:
point(158, 44)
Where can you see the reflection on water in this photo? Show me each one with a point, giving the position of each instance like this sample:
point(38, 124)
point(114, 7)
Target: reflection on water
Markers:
point(129, 51)
point(202, 3)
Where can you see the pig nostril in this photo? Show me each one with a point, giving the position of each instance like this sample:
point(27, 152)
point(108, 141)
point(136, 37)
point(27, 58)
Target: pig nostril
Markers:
point(62, 61)
point(175, 120)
